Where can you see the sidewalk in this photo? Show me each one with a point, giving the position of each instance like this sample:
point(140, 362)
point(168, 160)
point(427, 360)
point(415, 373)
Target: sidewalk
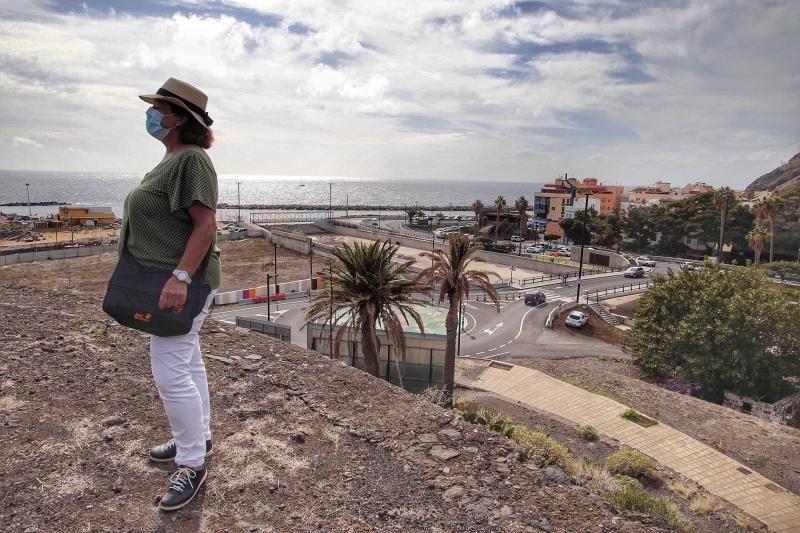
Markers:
point(720, 475)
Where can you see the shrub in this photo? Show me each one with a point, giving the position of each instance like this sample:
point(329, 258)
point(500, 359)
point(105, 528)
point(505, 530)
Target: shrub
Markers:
point(630, 463)
point(587, 432)
point(437, 396)
point(634, 416)
point(475, 413)
point(630, 495)
point(542, 449)
point(630, 413)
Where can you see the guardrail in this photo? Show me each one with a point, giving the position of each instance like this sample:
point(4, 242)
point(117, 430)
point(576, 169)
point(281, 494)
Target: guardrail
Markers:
point(567, 275)
point(601, 294)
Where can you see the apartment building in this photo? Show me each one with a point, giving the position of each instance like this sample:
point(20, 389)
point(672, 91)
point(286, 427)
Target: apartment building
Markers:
point(552, 203)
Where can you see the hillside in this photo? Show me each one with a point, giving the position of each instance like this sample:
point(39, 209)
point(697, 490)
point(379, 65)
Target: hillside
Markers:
point(301, 442)
point(781, 178)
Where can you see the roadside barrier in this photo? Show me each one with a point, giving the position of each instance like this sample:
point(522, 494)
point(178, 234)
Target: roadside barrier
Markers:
point(601, 294)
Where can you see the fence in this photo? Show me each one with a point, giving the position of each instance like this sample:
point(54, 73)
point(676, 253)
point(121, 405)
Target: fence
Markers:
point(421, 366)
point(278, 331)
point(572, 274)
point(610, 292)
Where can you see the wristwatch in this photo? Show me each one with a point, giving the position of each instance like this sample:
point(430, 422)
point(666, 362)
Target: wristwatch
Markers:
point(183, 276)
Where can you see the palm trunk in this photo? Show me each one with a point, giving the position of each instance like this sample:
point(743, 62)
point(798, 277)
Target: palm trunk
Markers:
point(771, 236)
point(451, 326)
point(369, 348)
point(497, 225)
point(723, 216)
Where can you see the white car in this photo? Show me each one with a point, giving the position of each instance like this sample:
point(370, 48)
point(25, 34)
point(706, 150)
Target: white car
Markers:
point(516, 238)
point(534, 250)
point(577, 319)
point(645, 261)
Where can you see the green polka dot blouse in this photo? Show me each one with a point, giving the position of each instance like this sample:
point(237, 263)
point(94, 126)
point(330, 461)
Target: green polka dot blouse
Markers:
point(155, 214)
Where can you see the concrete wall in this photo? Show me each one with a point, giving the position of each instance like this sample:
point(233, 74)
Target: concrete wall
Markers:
point(421, 367)
point(64, 253)
point(297, 242)
point(592, 255)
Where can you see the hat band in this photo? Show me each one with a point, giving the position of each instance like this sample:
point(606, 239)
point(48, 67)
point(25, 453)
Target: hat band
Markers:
point(194, 107)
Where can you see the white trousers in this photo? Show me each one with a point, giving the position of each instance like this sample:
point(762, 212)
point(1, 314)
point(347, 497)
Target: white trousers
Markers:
point(180, 376)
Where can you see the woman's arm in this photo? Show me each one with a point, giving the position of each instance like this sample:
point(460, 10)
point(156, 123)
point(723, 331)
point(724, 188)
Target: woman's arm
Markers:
point(204, 222)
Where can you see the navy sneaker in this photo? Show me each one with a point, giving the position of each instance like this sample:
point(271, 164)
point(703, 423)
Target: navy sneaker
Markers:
point(167, 451)
point(184, 485)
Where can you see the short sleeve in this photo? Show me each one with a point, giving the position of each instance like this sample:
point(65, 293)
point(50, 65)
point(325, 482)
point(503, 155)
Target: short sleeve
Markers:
point(195, 180)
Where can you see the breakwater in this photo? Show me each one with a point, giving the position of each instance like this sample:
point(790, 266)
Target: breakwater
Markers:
point(342, 207)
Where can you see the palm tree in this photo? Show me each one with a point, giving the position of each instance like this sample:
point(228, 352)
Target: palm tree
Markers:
point(724, 199)
point(453, 273)
point(768, 208)
point(477, 208)
point(365, 287)
point(500, 204)
point(521, 205)
point(756, 241)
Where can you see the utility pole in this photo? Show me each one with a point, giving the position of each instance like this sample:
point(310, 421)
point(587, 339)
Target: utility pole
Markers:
point(28, 189)
point(347, 205)
point(238, 204)
point(310, 267)
point(583, 243)
point(330, 321)
point(330, 199)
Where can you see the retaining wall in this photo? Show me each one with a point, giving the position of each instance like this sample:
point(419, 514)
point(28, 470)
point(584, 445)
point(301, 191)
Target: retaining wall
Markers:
point(63, 253)
point(422, 365)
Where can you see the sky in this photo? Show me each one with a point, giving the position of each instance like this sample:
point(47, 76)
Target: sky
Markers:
point(630, 92)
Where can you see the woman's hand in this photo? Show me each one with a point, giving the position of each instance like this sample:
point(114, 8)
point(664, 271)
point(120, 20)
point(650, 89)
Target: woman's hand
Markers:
point(173, 295)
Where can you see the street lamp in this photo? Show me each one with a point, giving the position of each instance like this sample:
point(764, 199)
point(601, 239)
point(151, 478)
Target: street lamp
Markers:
point(583, 243)
point(28, 189)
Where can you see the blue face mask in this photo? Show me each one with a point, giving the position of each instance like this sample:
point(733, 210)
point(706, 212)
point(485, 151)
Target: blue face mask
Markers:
point(154, 126)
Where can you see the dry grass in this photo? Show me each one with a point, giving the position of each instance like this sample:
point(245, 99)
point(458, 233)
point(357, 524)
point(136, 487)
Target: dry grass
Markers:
point(744, 521)
point(705, 504)
point(332, 435)
point(686, 490)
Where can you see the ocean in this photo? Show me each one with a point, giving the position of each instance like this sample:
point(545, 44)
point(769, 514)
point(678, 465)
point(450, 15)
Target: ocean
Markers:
point(110, 190)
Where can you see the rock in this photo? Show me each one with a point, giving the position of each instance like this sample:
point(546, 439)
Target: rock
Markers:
point(481, 509)
point(555, 475)
point(451, 434)
point(444, 454)
point(253, 357)
point(300, 438)
point(112, 421)
point(428, 438)
point(506, 511)
point(543, 524)
point(456, 491)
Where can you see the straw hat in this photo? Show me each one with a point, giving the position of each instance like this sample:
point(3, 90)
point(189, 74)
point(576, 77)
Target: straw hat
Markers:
point(183, 95)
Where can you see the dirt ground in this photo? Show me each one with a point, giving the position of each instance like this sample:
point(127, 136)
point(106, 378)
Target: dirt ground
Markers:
point(596, 328)
point(770, 449)
point(64, 235)
point(597, 451)
point(301, 443)
point(243, 262)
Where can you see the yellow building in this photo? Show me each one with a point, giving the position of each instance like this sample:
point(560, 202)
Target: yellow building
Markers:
point(84, 215)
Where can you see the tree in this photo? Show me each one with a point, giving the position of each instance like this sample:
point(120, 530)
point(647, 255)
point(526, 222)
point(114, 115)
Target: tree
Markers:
point(367, 286)
point(756, 241)
point(499, 204)
point(412, 212)
point(724, 198)
point(769, 208)
point(521, 206)
point(550, 237)
point(477, 208)
point(725, 329)
point(574, 227)
point(439, 218)
point(639, 225)
point(453, 273)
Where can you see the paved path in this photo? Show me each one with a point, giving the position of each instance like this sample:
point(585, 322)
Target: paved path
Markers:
point(715, 472)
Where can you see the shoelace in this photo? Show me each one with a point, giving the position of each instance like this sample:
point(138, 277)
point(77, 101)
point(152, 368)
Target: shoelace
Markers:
point(169, 444)
point(181, 477)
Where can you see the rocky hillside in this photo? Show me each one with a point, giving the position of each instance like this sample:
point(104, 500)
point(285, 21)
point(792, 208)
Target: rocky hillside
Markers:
point(781, 178)
point(301, 442)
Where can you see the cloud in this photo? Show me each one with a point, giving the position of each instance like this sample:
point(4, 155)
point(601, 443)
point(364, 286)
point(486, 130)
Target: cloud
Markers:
point(24, 141)
point(434, 89)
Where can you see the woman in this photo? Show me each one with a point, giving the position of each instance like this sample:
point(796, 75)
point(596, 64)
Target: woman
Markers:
point(169, 221)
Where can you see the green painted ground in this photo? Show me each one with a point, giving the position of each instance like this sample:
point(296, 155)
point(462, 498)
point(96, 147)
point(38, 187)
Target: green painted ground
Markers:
point(432, 317)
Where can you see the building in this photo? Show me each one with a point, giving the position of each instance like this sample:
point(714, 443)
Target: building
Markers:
point(84, 215)
point(550, 205)
point(660, 193)
point(698, 187)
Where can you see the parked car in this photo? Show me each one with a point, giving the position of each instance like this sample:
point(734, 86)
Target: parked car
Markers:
point(535, 298)
point(238, 230)
point(688, 265)
point(643, 260)
point(634, 272)
point(577, 319)
point(373, 222)
point(533, 250)
point(516, 238)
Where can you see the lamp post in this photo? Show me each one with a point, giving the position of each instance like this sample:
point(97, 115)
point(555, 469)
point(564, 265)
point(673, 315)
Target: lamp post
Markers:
point(28, 189)
point(330, 321)
point(330, 200)
point(238, 204)
point(275, 263)
point(583, 243)
point(269, 305)
point(310, 267)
